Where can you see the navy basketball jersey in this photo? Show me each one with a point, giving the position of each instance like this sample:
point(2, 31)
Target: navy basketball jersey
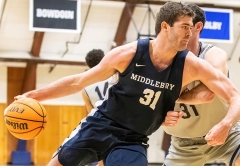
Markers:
point(142, 96)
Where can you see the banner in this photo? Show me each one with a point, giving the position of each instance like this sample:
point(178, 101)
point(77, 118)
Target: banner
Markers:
point(219, 25)
point(55, 15)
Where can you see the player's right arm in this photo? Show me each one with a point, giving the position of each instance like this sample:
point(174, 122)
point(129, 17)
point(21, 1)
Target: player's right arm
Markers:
point(117, 60)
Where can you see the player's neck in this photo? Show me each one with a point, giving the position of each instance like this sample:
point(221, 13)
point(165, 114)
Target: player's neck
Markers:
point(162, 50)
point(161, 54)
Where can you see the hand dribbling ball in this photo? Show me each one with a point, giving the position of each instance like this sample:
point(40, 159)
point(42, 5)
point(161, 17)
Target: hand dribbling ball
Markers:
point(25, 118)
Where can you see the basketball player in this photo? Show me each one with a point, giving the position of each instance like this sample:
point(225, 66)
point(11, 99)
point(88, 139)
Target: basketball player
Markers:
point(151, 74)
point(191, 143)
point(97, 91)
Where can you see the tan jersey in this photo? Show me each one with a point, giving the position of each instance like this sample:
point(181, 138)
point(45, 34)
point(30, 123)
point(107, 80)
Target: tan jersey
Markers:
point(198, 119)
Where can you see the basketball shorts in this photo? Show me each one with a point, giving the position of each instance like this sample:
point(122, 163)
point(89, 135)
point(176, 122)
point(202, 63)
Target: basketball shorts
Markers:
point(196, 152)
point(99, 138)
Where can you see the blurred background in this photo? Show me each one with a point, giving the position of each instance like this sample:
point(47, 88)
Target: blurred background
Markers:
point(44, 40)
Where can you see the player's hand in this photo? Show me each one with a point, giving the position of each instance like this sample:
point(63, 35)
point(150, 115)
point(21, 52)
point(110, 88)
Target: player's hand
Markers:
point(217, 135)
point(172, 118)
point(19, 97)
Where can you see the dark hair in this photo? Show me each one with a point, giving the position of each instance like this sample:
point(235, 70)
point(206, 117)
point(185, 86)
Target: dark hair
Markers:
point(199, 13)
point(170, 12)
point(93, 57)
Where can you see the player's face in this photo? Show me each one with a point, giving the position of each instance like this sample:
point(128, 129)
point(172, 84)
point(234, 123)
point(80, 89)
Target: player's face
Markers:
point(194, 34)
point(180, 32)
point(195, 30)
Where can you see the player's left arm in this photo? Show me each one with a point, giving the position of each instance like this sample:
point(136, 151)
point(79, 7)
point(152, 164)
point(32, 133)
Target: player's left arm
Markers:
point(198, 69)
point(201, 94)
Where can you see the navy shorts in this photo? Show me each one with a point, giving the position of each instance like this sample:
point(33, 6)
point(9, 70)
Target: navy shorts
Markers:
point(99, 138)
point(132, 155)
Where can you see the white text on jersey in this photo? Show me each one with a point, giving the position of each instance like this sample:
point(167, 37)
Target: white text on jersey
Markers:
point(152, 82)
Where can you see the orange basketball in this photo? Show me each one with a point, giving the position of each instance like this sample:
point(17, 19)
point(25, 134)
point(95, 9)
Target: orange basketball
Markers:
point(25, 118)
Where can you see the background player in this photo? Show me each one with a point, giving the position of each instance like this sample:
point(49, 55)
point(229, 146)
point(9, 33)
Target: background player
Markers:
point(97, 91)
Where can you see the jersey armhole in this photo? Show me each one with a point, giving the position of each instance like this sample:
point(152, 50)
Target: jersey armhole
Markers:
point(141, 46)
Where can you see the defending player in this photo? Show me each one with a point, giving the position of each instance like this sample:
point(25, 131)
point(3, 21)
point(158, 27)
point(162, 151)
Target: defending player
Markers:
point(191, 135)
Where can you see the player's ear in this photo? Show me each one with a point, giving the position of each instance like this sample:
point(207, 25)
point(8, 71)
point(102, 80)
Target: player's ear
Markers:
point(164, 25)
point(199, 26)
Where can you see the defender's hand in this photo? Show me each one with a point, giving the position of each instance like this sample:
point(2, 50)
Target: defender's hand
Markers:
point(172, 118)
point(217, 135)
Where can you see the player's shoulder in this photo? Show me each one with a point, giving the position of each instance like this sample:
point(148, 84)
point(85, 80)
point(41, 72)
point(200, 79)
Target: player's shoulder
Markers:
point(120, 57)
point(192, 61)
point(126, 49)
point(216, 53)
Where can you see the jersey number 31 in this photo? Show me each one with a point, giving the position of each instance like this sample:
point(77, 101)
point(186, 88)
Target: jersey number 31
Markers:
point(150, 98)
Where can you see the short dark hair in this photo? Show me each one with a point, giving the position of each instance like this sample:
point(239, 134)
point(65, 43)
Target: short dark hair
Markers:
point(93, 57)
point(199, 14)
point(170, 12)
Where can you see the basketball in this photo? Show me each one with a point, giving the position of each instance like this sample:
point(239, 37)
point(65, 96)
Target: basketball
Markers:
point(25, 118)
